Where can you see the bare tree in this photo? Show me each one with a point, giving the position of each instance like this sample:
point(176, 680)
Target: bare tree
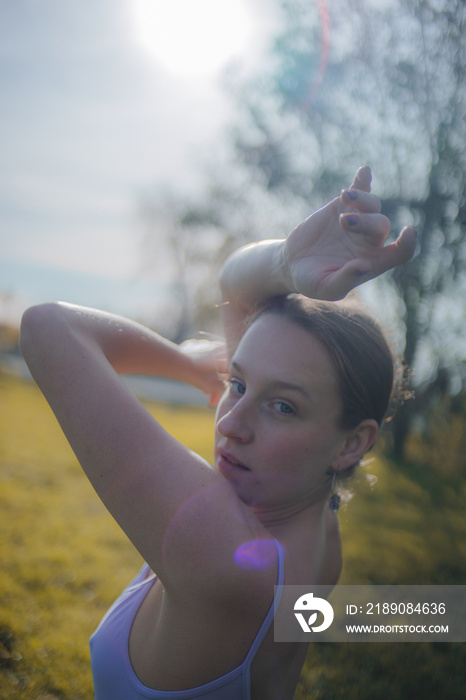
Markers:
point(376, 83)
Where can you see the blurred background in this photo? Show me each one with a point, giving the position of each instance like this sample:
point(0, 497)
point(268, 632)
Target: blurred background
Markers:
point(105, 104)
point(143, 140)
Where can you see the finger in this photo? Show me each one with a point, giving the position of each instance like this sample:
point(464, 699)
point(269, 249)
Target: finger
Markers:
point(342, 281)
point(356, 272)
point(221, 362)
point(360, 200)
point(214, 399)
point(375, 227)
point(362, 179)
point(398, 252)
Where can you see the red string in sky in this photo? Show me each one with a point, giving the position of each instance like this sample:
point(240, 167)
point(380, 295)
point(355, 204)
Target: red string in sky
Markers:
point(325, 25)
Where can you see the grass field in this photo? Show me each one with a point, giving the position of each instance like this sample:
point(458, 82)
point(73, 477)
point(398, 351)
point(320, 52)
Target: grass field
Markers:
point(64, 560)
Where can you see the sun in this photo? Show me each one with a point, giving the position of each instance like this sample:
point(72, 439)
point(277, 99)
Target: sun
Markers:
point(192, 37)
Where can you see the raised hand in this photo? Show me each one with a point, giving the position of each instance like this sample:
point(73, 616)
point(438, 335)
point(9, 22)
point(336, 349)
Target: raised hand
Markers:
point(209, 361)
point(342, 245)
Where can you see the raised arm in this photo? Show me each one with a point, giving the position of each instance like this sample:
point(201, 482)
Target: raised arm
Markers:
point(334, 250)
point(163, 496)
point(128, 346)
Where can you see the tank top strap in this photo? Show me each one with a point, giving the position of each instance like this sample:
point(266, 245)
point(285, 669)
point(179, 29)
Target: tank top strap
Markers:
point(270, 615)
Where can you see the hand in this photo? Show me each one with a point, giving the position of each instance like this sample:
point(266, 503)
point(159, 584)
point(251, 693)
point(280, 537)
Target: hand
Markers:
point(342, 245)
point(209, 363)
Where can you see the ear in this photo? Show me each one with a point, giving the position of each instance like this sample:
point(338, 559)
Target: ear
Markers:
point(357, 443)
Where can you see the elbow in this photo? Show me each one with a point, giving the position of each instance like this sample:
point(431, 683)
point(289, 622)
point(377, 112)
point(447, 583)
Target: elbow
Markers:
point(223, 278)
point(228, 275)
point(35, 327)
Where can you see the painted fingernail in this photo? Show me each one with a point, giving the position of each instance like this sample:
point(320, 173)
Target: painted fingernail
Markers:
point(351, 194)
point(351, 219)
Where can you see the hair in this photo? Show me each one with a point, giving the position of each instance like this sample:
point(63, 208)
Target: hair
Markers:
point(365, 365)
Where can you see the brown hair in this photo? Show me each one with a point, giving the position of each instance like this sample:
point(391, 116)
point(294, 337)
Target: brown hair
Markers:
point(364, 362)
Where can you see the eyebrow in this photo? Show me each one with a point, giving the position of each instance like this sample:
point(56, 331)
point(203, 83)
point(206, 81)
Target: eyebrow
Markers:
point(280, 384)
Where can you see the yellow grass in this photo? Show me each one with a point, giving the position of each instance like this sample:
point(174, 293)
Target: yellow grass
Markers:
point(64, 560)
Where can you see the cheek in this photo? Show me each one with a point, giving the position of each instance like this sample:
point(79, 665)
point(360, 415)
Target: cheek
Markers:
point(286, 448)
point(312, 447)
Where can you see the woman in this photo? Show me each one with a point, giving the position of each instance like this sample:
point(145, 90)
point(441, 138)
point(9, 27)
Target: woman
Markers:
point(220, 538)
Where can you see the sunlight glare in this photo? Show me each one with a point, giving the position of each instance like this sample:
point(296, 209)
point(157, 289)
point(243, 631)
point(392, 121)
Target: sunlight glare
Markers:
point(192, 37)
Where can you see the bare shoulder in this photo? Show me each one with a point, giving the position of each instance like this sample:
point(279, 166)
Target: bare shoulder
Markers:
point(180, 513)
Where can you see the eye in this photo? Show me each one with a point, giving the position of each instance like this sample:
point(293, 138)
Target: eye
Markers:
point(283, 408)
point(236, 387)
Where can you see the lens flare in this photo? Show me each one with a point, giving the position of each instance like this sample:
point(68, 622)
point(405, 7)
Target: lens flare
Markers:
point(324, 54)
point(256, 554)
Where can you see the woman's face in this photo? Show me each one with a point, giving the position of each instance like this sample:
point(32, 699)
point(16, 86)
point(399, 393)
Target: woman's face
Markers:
point(277, 425)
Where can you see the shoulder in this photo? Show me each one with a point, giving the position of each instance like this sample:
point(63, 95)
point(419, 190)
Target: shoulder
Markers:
point(231, 561)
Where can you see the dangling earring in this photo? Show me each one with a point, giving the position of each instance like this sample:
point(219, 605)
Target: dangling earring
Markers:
point(335, 499)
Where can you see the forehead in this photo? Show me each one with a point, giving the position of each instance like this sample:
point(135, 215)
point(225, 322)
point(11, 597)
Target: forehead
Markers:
point(275, 347)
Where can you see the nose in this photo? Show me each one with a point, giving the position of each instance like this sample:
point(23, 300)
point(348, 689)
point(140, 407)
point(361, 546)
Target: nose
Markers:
point(235, 422)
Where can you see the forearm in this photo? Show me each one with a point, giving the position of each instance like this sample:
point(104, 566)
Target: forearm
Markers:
point(255, 273)
point(50, 330)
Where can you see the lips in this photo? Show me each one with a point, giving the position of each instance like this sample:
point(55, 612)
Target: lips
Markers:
point(227, 462)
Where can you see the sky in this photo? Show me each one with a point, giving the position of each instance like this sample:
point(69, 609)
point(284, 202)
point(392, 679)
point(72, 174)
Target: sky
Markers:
point(101, 102)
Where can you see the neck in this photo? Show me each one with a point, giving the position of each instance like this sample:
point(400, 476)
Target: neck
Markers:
point(278, 520)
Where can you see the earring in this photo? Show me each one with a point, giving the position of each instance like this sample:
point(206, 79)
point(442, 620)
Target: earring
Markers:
point(335, 499)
